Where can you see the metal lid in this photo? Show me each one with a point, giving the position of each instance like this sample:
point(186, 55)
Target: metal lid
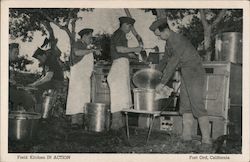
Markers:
point(147, 78)
point(24, 115)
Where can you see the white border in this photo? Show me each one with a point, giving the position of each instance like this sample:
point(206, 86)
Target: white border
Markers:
point(5, 4)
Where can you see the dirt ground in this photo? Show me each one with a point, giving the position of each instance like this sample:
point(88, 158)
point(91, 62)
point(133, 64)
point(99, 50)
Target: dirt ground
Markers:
point(56, 136)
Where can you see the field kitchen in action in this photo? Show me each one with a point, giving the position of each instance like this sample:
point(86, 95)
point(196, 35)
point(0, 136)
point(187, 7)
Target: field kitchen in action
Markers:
point(125, 80)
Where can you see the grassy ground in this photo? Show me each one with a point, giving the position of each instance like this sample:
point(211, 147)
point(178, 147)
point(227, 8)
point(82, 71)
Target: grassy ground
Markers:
point(55, 136)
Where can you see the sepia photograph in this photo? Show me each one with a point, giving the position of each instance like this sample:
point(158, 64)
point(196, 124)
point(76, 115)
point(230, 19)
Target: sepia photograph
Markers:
point(124, 80)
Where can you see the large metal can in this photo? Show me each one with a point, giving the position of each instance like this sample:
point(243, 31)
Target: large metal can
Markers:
point(23, 126)
point(144, 99)
point(228, 47)
point(47, 103)
point(97, 117)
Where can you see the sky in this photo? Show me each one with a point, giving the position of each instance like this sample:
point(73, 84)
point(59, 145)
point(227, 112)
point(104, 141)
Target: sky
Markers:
point(102, 21)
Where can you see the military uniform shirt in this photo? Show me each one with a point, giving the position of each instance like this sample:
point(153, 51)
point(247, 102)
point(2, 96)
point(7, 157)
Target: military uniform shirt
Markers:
point(118, 39)
point(52, 65)
point(78, 45)
point(183, 55)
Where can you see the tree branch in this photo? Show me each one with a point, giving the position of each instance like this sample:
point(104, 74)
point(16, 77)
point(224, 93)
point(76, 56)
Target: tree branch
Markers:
point(73, 26)
point(69, 16)
point(219, 17)
point(56, 23)
point(203, 18)
point(137, 36)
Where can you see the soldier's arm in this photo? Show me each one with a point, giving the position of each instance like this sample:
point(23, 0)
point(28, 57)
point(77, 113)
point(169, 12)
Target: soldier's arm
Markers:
point(122, 49)
point(81, 52)
point(178, 47)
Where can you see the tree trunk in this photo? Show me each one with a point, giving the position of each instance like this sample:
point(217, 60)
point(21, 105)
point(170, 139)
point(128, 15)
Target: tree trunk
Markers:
point(208, 31)
point(208, 42)
point(137, 36)
point(72, 37)
point(52, 38)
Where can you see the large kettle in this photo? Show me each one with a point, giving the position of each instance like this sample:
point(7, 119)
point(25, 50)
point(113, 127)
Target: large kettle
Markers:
point(23, 125)
point(147, 78)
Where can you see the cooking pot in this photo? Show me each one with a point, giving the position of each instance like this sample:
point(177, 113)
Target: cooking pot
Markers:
point(97, 117)
point(23, 125)
point(147, 78)
point(144, 99)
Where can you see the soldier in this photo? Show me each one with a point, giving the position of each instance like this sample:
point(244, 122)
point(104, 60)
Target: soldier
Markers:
point(19, 99)
point(118, 77)
point(51, 80)
point(80, 72)
point(184, 56)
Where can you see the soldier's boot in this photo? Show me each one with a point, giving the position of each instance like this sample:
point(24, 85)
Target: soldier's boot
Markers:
point(205, 130)
point(206, 142)
point(77, 121)
point(187, 126)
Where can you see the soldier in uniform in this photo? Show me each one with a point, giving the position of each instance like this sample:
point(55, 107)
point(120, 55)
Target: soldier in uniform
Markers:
point(51, 80)
point(184, 56)
point(82, 63)
point(19, 99)
point(118, 77)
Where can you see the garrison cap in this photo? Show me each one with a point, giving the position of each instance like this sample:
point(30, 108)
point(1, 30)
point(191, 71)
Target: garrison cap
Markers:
point(127, 20)
point(85, 31)
point(157, 23)
point(38, 52)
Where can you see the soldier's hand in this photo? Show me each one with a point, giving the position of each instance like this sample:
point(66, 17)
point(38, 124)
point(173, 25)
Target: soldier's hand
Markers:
point(159, 88)
point(97, 52)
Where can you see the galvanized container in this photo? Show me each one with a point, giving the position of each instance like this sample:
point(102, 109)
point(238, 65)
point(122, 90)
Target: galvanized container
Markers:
point(147, 78)
point(47, 103)
point(97, 117)
point(228, 47)
point(23, 126)
point(144, 99)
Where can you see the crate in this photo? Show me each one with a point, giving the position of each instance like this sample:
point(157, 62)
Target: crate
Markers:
point(223, 87)
point(162, 123)
point(216, 95)
point(100, 82)
point(100, 91)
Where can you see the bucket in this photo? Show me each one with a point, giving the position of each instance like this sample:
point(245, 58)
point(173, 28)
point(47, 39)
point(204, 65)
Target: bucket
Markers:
point(23, 126)
point(228, 47)
point(47, 103)
point(97, 117)
point(144, 99)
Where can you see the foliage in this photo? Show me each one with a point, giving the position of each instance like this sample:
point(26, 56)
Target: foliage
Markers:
point(102, 41)
point(25, 21)
point(194, 30)
point(21, 63)
point(174, 14)
point(233, 22)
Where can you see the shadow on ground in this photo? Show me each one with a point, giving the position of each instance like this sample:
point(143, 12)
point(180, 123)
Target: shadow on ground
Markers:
point(55, 136)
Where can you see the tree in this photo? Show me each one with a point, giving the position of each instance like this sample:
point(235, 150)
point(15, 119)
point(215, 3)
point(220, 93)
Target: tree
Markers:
point(25, 21)
point(208, 29)
point(205, 24)
point(231, 22)
point(20, 63)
